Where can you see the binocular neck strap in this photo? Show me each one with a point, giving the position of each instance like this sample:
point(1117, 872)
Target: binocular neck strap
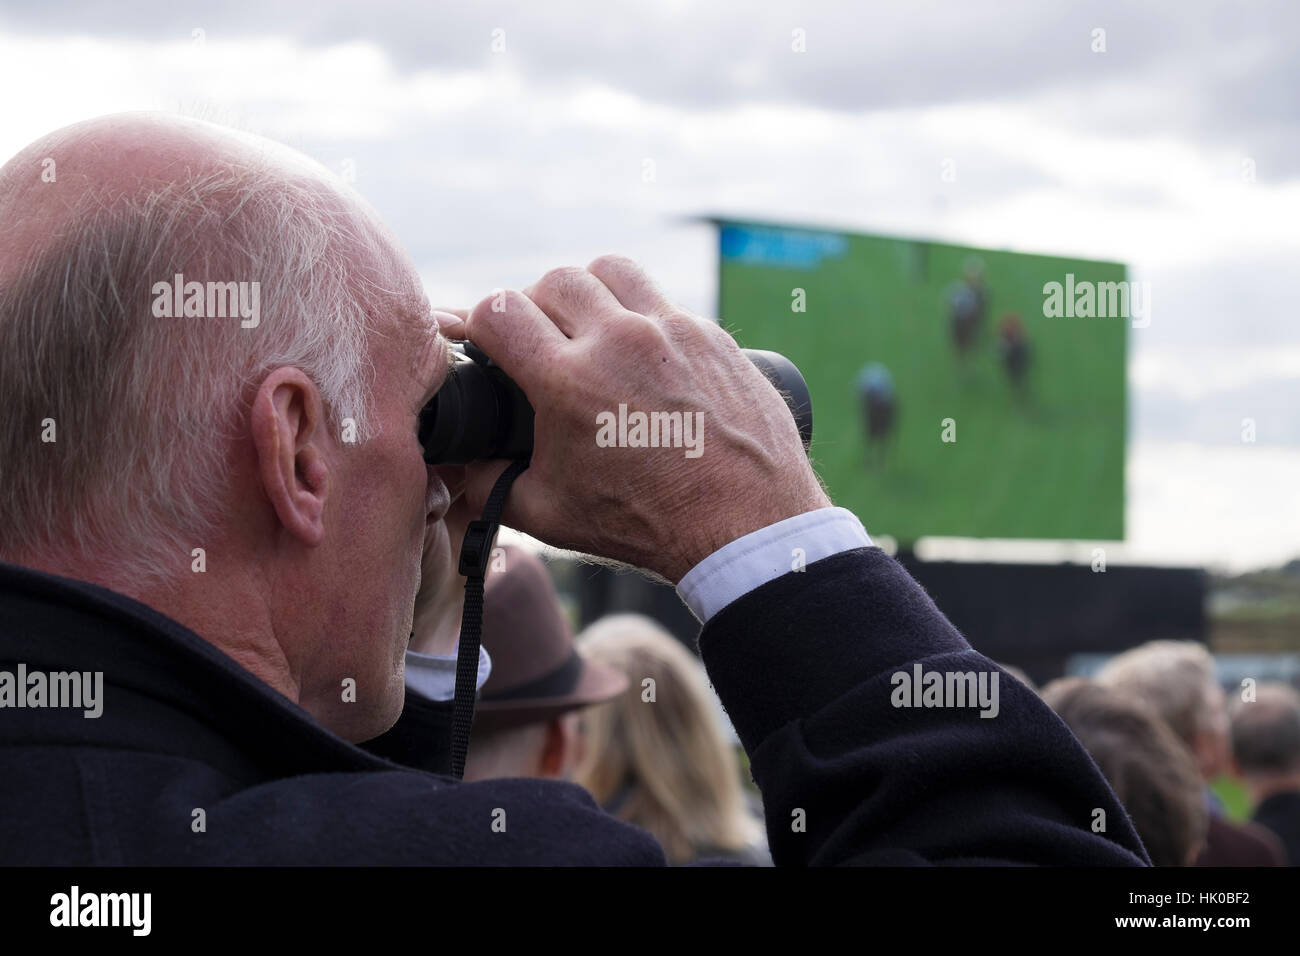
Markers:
point(475, 553)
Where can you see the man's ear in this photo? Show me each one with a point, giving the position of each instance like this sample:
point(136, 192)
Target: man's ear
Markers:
point(288, 428)
point(563, 748)
point(551, 764)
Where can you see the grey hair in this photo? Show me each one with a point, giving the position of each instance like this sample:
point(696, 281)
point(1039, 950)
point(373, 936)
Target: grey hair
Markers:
point(1266, 731)
point(1173, 677)
point(144, 409)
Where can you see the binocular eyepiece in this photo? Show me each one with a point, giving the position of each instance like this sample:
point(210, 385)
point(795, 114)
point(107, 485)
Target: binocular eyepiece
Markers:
point(480, 413)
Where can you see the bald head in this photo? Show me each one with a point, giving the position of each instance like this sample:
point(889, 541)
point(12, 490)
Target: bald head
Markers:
point(98, 215)
point(103, 162)
point(150, 427)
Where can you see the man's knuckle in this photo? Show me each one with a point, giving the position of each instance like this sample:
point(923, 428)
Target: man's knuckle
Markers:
point(502, 302)
point(641, 334)
point(613, 263)
point(560, 281)
point(481, 310)
point(681, 327)
point(694, 333)
point(514, 300)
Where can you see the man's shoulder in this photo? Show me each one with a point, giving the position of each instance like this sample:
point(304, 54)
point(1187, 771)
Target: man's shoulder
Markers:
point(133, 808)
point(403, 816)
point(194, 761)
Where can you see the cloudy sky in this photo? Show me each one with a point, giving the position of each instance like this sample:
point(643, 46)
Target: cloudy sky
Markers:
point(501, 139)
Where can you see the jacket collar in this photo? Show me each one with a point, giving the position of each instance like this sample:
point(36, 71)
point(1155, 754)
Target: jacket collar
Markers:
point(165, 689)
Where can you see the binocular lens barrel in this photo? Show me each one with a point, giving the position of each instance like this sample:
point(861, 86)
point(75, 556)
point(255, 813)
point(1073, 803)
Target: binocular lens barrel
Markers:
point(479, 413)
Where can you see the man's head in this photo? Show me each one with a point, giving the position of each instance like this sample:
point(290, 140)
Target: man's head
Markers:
point(260, 482)
point(528, 721)
point(548, 749)
point(1177, 679)
point(1266, 739)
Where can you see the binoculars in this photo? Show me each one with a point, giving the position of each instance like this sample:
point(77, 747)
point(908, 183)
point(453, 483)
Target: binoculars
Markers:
point(480, 413)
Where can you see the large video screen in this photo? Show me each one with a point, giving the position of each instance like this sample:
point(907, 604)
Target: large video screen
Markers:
point(956, 391)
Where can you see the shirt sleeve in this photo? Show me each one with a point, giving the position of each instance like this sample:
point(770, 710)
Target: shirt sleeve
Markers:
point(764, 555)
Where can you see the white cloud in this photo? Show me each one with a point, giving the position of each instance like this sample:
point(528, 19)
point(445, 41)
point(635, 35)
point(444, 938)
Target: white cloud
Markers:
point(492, 172)
point(1194, 372)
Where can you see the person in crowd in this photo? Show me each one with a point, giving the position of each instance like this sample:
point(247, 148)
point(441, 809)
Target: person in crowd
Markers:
point(1150, 770)
point(528, 719)
point(657, 755)
point(1266, 748)
point(216, 513)
point(1177, 679)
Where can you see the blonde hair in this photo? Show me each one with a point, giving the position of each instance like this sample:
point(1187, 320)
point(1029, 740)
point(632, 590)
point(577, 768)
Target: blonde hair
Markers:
point(669, 757)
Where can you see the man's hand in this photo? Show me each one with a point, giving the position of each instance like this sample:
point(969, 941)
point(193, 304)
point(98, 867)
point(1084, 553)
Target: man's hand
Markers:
point(582, 342)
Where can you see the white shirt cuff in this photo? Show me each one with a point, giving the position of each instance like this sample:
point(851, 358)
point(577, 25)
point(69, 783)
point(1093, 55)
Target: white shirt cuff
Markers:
point(764, 555)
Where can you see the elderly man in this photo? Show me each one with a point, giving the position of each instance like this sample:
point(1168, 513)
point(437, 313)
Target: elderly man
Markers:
point(223, 514)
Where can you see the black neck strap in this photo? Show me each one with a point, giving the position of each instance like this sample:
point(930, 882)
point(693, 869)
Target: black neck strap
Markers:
point(475, 553)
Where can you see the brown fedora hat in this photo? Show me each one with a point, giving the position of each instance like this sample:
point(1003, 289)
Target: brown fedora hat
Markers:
point(537, 672)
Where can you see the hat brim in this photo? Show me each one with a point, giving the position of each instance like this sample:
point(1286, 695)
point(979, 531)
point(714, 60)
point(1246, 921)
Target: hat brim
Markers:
point(596, 685)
